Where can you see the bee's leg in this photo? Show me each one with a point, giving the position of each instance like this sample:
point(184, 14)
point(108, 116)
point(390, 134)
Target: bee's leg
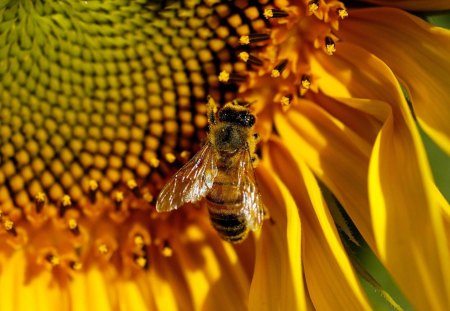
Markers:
point(212, 110)
point(255, 160)
point(255, 138)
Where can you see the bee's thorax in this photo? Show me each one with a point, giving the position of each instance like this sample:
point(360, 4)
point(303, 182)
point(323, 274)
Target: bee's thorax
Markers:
point(229, 138)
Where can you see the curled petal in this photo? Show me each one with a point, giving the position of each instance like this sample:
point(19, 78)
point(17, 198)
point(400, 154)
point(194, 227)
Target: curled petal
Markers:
point(336, 154)
point(324, 256)
point(400, 184)
point(417, 53)
point(278, 279)
point(212, 270)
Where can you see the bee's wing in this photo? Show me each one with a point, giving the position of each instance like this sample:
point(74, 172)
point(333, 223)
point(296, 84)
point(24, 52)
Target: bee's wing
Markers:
point(191, 183)
point(252, 205)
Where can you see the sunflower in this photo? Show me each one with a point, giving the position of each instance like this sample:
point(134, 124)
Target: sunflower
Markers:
point(101, 102)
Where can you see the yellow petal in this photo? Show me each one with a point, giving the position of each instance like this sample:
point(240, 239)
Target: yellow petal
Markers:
point(131, 296)
point(402, 203)
point(168, 286)
point(337, 155)
point(332, 282)
point(212, 269)
point(417, 52)
point(414, 5)
point(365, 124)
point(407, 220)
point(278, 279)
point(18, 293)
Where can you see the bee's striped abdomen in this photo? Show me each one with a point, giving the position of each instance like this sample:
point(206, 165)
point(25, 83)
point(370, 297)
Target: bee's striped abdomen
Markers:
point(224, 206)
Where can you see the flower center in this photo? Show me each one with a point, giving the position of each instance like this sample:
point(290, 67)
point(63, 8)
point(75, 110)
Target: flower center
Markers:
point(277, 59)
point(99, 105)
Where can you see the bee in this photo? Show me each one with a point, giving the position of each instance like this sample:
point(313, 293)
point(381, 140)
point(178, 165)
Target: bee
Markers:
point(222, 173)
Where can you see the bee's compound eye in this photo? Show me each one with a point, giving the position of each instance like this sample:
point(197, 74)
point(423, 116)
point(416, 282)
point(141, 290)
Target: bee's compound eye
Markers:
point(248, 120)
point(227, 115)
point(242, 118)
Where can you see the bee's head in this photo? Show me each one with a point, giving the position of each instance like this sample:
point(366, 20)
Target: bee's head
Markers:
point(236, 115)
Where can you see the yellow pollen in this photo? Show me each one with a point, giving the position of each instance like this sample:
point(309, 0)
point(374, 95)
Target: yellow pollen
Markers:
point(167, 251)
point(330, 47)
point(40, 197)
point(244, 40)
point(8, 224)
point(313, 6)
point(93, 185)
point(342, 12)
point(76, 265)
point(268, 13)
point(138, 240)
point(224, 76)
point(244, 56)
point(119, 196)
point(285, 101)
point(154, 162)
point(141, 261)
point(306, 83)
point(275, 73)
point(66, 200)
point(103, 249)
point(53, 260)
point(132, 184)
point(73, 224)
point(170, 157)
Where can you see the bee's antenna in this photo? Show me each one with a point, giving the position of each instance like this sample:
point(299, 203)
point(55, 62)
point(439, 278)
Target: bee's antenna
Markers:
point(243, 103)
point(212, 109)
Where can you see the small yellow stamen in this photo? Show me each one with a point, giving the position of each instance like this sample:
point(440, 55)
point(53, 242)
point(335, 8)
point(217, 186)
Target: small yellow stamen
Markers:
point(276, 72)
point(248, 58)
point(138, 240)
point(285, 101)
point(103, 249)
point(244, 40)
point(53, 260)
point(306, 83)
point(76, 265)
point(313, 6)
point(40, 198)
point(73, 223)
point(170, 157)
point(342, 12)
point(274, 13)
point(132, 184)
point(167, 250)
point(330, 46)
point(224, 76)
point(73, 226)
point(8, 224)
point(154, 162)
point(268, 13)
point(141, 261)
point(40, 201)
point(119, 196)
point(244, 56)
point(93, 185)
point(254, 37)
point(66, 200)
